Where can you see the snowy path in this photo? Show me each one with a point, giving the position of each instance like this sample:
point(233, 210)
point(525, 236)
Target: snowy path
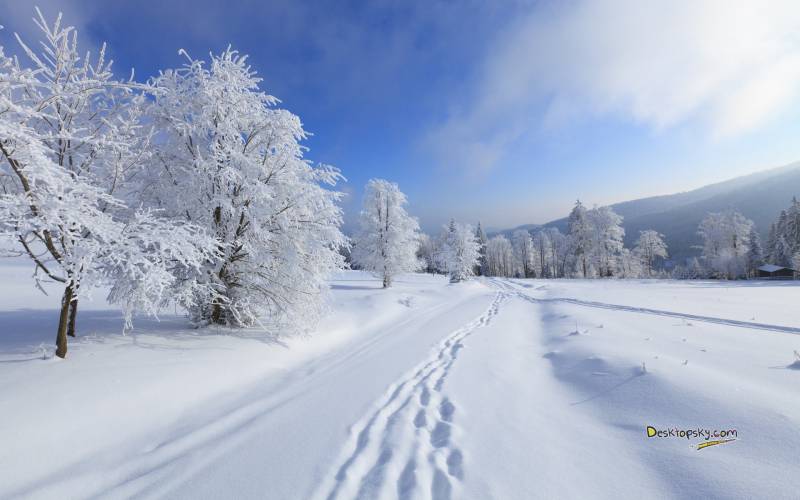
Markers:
point(490, 389)
point(406, 443)
point(544, 414)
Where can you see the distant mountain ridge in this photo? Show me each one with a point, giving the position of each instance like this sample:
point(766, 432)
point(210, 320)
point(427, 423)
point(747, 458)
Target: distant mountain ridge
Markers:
point(759, 196)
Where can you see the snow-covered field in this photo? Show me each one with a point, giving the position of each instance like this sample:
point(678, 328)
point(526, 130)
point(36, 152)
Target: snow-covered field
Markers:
point(492, 388)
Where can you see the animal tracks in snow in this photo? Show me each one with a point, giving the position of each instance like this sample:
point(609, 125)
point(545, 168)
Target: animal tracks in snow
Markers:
point(407, 448)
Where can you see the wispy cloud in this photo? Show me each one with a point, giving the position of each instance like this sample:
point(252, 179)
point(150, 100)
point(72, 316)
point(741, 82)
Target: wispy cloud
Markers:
point(19, 17)
point(729, 65)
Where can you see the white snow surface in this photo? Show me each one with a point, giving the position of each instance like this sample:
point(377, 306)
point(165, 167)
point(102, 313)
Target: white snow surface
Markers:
point(491, 388)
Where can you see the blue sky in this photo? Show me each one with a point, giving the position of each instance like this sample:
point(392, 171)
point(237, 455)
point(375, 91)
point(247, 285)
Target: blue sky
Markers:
point(503, 112)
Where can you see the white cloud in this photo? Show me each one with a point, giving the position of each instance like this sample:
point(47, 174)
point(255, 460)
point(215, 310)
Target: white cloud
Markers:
point(731, 65)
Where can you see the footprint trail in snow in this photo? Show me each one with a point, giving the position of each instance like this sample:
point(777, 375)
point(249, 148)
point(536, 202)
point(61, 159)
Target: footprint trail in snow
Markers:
point(406, 448)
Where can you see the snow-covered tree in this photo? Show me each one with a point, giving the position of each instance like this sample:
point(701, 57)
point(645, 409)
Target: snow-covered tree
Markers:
point(695, 269)
point(630, 264)
point(559, 251)
point(595, 240)
point(386, 244)
point(691, 270)
point(779, 246)
point(499, 257)
point(782, 254)
point(561, 248)
point(429, 252)
point(792, 230)
point(541, 242)
point(580, 237)
point(71, 144)
point(755, 254)
point(649, 247)
point(481, 237)
point(524, 252)
point(772, 240)
point(228, 160)
point(726, 241)
point(784, 236)
point(461, 251)
point(606, 234)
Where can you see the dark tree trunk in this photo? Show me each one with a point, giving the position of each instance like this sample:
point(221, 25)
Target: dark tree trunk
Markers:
point(63, 320)
point(217, 313)
point(73, 312)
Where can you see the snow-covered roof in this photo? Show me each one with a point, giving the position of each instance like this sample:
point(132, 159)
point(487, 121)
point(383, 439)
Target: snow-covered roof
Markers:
point(771, 268)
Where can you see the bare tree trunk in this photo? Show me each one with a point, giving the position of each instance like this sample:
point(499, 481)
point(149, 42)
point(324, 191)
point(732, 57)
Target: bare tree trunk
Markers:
point(61, 334)
point(216, 313)
point(387, 281)
point(73, 312)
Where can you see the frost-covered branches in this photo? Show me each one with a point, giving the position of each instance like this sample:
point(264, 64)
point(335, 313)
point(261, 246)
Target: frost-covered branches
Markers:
point(755, 253)
point(606, 240)
point(783, 243)
point(649, 247)
point(387, 241)
point(595, 240)
point(71, 140)
point(500, 259)
point(480, 235)
point(428, 253)
point(726, 242)
point(191, 189)
point(229, 161)
point(461, 251)
point(524, 252)
point(580, 237)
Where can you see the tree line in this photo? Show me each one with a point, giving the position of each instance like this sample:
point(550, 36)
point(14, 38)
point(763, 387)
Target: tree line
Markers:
point(593, 248)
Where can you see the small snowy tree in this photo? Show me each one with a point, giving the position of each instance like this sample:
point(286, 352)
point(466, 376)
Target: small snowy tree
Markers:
point(784, 236)
point(695, 270)
point(629, 264)
point(230, 161)
point(541, 242)
point(71, 142)
point(481, 237)
point(524, 251)
point(461, 250)
point(649, 247)
point(580, 237)
point(500, 257)
point(772, 241)
point(386, 244)
point(427, 253)
point(755, 254)
point(606, 234)
point(779, 246)
point(726, 241)
point(792, 227)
